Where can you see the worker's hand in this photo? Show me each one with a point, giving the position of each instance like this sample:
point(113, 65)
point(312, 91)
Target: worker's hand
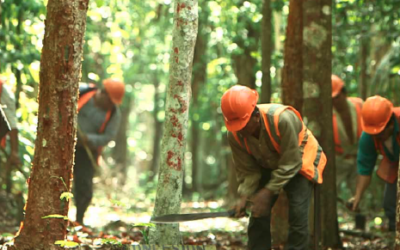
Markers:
point(240, 207)
point(13, 159)
point(353, 203)
point(262, 203)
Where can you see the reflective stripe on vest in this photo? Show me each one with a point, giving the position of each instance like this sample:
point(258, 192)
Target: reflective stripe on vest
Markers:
point(357, 102)
point(314, 159)
point(388, 170)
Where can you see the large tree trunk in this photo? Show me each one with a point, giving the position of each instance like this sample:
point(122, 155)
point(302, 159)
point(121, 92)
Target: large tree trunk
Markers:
point(292, 74)
point(266, 48)
point(57, 122)
point(291, 95)
point(169, 189)
point(317, 62)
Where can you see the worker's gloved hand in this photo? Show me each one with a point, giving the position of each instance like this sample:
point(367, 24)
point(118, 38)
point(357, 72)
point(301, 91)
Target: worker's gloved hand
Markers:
point(353, 203)
point(262, 203)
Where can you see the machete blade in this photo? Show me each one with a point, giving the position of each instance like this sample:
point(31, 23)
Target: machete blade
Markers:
point(175, 218)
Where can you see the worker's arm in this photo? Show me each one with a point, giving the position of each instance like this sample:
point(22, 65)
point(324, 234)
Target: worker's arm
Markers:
point(98, 140)
point(247, 171)
point(363, 182)
point(14, 156)
point(366, 159)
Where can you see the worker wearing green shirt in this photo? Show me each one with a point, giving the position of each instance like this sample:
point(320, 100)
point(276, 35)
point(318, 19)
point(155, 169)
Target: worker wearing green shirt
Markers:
point(381, 135)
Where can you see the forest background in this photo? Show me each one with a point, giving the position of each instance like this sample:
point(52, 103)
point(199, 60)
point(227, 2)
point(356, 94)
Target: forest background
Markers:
point(132, 40)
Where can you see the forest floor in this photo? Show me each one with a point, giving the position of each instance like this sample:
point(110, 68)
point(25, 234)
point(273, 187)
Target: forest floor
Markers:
point(114, 219)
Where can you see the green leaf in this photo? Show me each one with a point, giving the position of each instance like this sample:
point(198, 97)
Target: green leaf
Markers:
point(111, 241)
point(65, 243)
point(55, 216)
point(66, 196)
point(144, 225)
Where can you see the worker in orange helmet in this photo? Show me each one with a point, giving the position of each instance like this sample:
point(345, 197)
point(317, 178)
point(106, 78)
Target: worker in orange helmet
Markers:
point(381, 135)
point(98, 123)
point(347, 129)
point(272, 150)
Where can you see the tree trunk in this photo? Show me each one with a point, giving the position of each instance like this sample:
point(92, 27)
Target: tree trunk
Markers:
point(199, 79)
point(266, 48)
point(317, 62)
point(120, 151)
point(291, 95)
point(292, 74)
point(244, 64)
point(157, 130)
point(57, 122)
point(363, 87)
point(169, 189)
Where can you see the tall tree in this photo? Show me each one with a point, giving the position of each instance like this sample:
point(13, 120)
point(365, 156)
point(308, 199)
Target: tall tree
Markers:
point(317, 63)
point(266, 51)
point(198, 81)
point(292, 75)
point(169, 189)
point(54, 148)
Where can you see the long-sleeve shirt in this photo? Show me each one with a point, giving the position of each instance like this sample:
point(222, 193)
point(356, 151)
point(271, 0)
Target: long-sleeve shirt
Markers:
point(368, 154)
point(284, 165)
point(90, 120)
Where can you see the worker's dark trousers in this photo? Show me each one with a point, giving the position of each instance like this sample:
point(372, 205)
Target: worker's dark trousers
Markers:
point(389, 204)
point(299, 191)
point(83, 182)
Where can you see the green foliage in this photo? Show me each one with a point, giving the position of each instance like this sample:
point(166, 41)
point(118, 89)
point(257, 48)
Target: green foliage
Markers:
point(55, 216)
point(111, 242)
point(65, 243)
point(66, 196)
point(144, 230)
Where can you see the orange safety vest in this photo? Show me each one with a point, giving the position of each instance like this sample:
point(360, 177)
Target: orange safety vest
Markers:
point(387, 169)
point(357, 102)
point(83, 100)
point(314, 159)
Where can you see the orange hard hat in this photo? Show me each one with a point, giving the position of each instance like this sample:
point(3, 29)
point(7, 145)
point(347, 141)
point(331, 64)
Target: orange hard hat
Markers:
point(376, 113)
point(115, 89)
point(337, 85)
point(237, 104)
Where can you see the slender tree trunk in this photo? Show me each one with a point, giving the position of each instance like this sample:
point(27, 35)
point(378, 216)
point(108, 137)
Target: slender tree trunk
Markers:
point(57, 121)
point(317, 62)
point(120, 151)
point(158, 130)
point(266, 48)
point(199, 79)
point(292, 74)
point(169, 189)
point(363, 86)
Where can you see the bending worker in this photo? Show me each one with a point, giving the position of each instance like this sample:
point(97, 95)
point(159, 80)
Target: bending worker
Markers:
point(347, 129)
point(380, 136)
point(272, 149)
point(98, 123)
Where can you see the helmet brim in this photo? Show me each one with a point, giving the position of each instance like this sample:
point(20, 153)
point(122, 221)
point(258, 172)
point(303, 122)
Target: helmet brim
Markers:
point(237, 124)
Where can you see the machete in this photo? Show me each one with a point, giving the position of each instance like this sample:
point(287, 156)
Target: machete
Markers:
point(174, 218)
